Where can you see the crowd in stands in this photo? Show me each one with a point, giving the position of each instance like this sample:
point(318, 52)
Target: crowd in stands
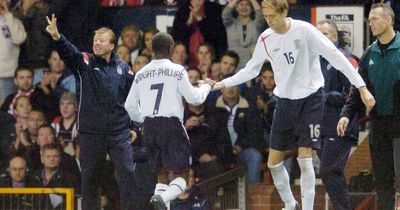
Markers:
point(39, 142)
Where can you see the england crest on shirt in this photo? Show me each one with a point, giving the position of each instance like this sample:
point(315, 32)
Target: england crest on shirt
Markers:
point(119, 70)
point(297, 43)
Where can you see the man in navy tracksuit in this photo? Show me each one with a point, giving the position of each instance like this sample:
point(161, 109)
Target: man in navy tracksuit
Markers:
point(104, 82)
point(335, 150)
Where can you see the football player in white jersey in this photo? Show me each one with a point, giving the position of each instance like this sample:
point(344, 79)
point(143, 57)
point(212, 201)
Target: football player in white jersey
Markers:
point(156, 100)
point(293, 47)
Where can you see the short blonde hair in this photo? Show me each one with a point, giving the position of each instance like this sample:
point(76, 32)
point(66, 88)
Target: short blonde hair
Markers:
point(110, 32)
point(277, 5)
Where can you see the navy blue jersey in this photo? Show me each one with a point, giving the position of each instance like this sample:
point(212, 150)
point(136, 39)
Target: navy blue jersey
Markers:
point(337, 88)
point(102, 89)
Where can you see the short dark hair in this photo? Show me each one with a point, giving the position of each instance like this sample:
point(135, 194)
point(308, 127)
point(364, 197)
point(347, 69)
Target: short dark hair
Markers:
point(23, 68)
point(51, 146)
point(232, 54)
point(266, 67)
point(194, 68)
point(51, 128)
point(162, 43)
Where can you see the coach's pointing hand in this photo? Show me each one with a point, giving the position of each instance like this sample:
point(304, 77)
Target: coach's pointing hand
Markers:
point(52, 27)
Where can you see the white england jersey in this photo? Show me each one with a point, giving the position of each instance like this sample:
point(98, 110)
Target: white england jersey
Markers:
point(294, 58)
point(158, 89)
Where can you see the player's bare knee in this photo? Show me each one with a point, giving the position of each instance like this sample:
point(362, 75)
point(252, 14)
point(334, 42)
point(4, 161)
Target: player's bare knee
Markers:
point(163, 176)
point(304, 152)
point(185, 174)
point(275, 157)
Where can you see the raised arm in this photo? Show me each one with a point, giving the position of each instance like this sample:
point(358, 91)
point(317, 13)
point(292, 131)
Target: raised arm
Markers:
point(67, 51)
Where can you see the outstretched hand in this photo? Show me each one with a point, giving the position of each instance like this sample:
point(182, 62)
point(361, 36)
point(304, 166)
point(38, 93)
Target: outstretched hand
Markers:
point(210, 82)
point(52, 27)
point(218, 86)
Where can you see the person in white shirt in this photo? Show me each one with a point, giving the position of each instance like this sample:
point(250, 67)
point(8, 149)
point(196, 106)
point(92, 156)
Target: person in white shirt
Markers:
point(156, 100)
point(12, 34)
point(293, 47)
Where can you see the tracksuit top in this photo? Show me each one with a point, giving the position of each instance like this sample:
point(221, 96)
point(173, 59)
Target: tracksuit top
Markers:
point(101, 89)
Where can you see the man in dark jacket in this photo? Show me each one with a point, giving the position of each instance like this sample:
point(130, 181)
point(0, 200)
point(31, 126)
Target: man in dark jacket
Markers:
point(17, 177)
point(335, 150)
point(380, 69)
point(53, 175)
point(240, 132)
point(103, 123)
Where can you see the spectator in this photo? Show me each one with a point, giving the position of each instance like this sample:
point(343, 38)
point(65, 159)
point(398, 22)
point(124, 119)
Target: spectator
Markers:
point(123, 53)
point(240, 132)
point(205, 55)
point(10, 123)
point(53, 175)
point(228, 64)
point(179, 54)
point(47, 135)
point(264, 98)
point(148, 34)
point(23, 79)
point(140, 61)
point(25, 139)
point(17, 177)
point(57, 79)
point(197, 21)
point(381, 56)
point(33, 13)
point(18, 174)
point(13, 34)
point(132, 38)
point(242, 30)
point(65, 126)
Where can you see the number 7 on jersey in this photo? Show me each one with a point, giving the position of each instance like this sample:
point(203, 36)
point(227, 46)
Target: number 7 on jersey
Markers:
point(159, 87)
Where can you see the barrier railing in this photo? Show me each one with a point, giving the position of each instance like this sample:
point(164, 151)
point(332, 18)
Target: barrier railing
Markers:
point(227, 190)
point(31, 198)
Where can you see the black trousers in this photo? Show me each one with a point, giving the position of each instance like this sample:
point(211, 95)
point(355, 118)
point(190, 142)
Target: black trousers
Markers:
point(93, 151)
point(384, 143)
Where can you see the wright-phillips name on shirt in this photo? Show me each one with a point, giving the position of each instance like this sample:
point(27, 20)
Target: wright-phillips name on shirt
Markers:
point(164, 72)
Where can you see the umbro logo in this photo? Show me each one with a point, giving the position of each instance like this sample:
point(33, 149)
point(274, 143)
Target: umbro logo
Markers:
point(96, 69)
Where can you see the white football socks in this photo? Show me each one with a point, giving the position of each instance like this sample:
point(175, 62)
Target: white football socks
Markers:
point(281, 182)
point(307, 183)
point(175, 189)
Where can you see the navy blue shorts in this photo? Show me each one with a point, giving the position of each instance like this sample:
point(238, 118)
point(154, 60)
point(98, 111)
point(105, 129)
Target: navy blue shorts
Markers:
point(297, 122)
point(167, 143)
